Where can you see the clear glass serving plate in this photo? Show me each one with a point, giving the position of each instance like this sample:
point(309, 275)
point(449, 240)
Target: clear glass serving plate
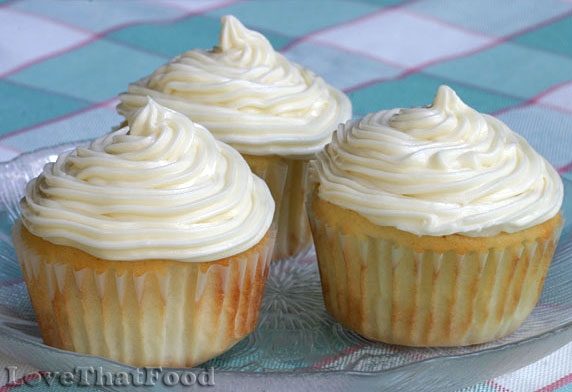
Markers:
point(297, 345)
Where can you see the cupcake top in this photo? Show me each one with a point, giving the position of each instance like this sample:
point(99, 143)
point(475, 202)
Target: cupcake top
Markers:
point(160, 188)
point(247, 95)
point(438, 170)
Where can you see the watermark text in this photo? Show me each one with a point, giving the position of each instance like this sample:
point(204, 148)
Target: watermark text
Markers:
point(90, 376)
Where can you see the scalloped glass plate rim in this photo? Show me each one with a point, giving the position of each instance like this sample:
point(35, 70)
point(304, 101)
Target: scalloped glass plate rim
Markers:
point(503, 347)
point(7, 332)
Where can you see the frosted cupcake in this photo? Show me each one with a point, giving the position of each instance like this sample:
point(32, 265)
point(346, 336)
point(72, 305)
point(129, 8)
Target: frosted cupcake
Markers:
point(278, 114)
point(150, 247)
point(434, 226)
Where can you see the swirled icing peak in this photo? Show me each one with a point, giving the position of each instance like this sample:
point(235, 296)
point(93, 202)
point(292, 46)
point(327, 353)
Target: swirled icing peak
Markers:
point(438, 170)
point(247, 95)
point(243, 46)
point(160, 188)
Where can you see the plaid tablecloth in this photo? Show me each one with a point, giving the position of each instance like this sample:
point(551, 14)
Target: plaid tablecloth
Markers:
point(62, 63)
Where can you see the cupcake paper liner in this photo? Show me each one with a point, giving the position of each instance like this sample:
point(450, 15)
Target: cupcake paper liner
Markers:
point(397, 295)
point(294, 234)
point(175, 314)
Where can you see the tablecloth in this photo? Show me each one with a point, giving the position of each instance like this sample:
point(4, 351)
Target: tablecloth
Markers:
point(62, 64)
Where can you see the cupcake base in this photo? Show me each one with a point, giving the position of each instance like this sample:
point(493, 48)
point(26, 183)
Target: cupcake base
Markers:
point(143, 313)
point(399, 288)
point(294, 235)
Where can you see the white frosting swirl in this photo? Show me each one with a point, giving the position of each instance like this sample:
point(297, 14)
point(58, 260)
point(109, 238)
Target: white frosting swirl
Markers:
point(438, 170)
point(162, 188)
point(247, 95)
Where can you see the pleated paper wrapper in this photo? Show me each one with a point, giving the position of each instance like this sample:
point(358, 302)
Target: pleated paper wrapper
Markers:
point(397, 295)
point(176, 315)
point(286, 179)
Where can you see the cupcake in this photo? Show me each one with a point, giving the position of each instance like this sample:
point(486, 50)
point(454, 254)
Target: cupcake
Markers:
point(276, 113)
point(434, 226)
point(150, 247)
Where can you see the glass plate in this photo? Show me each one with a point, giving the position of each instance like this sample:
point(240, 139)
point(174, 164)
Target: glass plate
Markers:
point(297, 345)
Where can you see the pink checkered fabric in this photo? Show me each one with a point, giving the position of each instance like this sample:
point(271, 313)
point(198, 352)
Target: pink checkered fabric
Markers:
point(62, 64)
